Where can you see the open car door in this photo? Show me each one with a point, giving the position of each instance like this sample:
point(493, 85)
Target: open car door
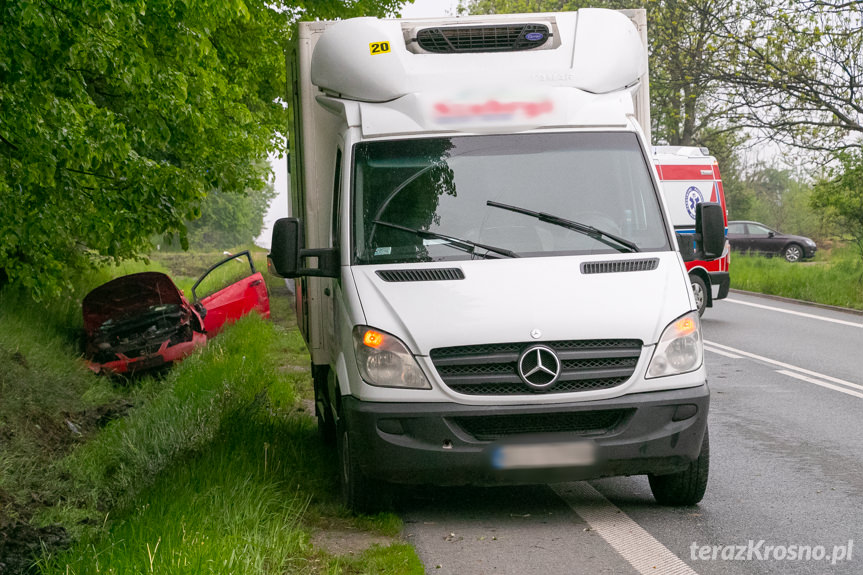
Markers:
point(229, 290)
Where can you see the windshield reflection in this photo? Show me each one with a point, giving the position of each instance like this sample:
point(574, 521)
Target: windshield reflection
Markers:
point(442, 186)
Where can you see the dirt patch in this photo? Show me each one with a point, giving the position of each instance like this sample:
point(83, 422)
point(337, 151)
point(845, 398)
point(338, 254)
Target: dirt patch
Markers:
point(57, 435)
point(98, 417)
point(338, 542)
point(21, 544)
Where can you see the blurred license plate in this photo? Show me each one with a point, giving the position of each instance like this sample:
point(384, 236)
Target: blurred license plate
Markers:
point(570, 454)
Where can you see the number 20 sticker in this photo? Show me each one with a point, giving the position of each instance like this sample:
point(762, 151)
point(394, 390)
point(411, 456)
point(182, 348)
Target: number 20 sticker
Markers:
point(379, 47)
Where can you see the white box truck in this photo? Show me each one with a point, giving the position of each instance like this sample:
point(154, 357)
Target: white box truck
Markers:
point(490, 285)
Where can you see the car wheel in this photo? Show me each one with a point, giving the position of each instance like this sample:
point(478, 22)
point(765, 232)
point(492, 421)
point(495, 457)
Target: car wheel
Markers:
point(793, 253)
point(699, 290)
point(358, 493)
point(685, 487)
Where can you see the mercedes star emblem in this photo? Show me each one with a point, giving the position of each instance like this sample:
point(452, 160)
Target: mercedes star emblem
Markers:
point(535, 334)
point(539, 367)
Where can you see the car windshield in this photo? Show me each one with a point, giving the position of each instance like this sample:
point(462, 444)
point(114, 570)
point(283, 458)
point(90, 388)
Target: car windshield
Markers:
point(443, 186)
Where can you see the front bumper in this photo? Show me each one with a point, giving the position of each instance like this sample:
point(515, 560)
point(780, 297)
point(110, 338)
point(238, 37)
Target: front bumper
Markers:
point(720, 283)
point(165, 355)
point(453, 444)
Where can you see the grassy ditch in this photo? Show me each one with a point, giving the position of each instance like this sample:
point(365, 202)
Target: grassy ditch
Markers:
point(835, 281)
point(214, 467)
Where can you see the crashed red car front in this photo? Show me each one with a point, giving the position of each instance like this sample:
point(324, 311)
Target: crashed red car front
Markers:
point(142, 321)
point(139, 321)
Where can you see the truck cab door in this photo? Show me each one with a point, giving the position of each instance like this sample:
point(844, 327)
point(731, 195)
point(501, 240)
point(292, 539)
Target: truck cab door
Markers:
point(229, 290)
point(332, 289)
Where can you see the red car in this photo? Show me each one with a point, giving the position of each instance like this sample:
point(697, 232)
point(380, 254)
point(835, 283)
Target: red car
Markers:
point(143, 321)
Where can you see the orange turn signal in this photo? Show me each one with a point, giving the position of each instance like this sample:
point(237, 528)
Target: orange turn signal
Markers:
point(373, 338)
point(685, 326)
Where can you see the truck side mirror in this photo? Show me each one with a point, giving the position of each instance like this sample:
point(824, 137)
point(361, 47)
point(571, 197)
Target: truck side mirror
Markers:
point(284, 257)
point(686, 244)
point(709, 230)
point(287, 253)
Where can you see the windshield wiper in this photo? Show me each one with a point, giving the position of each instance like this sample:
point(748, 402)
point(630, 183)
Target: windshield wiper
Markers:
point(458, 243)
point(620, 244)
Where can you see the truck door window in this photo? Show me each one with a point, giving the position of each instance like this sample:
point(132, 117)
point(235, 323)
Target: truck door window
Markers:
point(441, 185)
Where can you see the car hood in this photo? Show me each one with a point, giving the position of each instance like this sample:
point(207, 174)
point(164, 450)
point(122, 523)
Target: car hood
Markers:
point(515, 300)
point(800, 239)
point(127, 296)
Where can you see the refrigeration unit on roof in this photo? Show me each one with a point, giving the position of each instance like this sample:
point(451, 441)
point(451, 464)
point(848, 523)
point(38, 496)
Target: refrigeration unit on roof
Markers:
point(594, 50)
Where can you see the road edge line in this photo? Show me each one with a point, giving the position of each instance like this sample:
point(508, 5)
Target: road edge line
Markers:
point(629, 539)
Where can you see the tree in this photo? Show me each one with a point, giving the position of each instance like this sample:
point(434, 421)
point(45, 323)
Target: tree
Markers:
point(117, 119)
point(797, 70)
point(840, 195)
point(229, 220)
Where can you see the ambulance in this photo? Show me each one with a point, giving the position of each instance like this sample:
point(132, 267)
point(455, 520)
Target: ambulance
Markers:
point(690, 175)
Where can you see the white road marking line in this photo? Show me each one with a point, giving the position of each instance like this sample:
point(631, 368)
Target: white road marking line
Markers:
point(821, 383)
point(628, 538)
point(787, 366)
point(725, 353)
point(800, 313)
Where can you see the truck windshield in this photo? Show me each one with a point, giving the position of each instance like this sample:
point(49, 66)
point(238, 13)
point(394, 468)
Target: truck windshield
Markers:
point(443, 186)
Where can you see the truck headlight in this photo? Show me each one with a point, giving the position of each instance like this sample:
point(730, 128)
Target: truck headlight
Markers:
point(680, 349)
point(384, 361)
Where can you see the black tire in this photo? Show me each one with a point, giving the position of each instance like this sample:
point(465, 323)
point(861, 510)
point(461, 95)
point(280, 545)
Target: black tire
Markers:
point(358, 493)
point(323, 411)
point(699, 290)
point(793, 253)
point(686, 487)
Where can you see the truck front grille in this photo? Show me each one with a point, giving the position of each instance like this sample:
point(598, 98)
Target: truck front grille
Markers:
point(492, 427)
point(586, 365)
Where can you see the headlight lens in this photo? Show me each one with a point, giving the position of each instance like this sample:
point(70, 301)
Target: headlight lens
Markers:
point(384, 361)
point(680, 348)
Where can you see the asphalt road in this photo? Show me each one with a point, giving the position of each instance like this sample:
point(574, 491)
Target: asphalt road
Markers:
point(786, 479)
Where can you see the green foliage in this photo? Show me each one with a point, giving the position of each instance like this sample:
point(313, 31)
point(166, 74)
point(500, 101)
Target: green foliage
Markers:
point(842, 196)
point(795, 70)
point(228, 219)
point(118, 118)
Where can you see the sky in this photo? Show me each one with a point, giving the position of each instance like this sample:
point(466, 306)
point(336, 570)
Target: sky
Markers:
point(429, 8)
point(279, 205)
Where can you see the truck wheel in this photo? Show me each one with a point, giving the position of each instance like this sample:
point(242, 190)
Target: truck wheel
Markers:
point(358, 494)
point(793, 253)
point(685, 487)
point(699, 290)
point(323, 412)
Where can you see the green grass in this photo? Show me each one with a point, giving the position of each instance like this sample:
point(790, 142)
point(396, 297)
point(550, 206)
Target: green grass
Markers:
point(216, 469)
point(43, 383)
point(236, 507)
point(835, 281)
point(183, 414)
